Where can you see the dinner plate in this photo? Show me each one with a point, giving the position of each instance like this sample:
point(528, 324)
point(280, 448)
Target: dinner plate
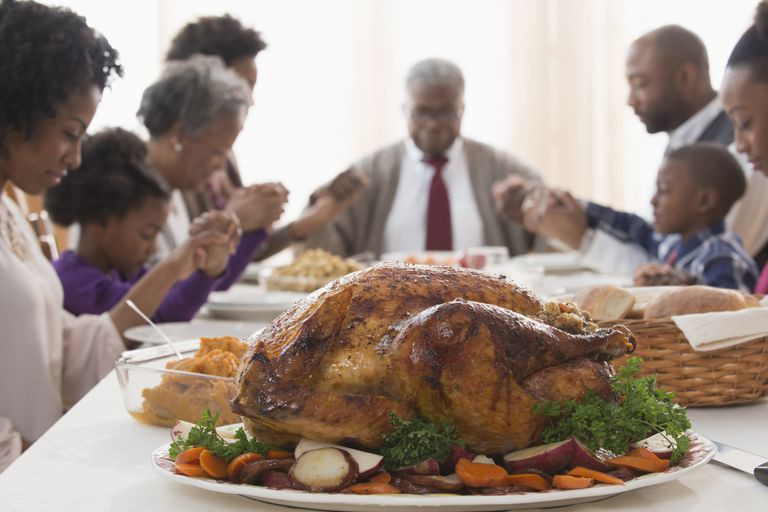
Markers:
point(553, 262)
point(250, 303)
point(701, 451)
point(179, 331)
point(253, 273)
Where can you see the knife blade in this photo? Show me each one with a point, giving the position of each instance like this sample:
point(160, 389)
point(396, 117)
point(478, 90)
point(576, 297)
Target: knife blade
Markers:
point(743, 461)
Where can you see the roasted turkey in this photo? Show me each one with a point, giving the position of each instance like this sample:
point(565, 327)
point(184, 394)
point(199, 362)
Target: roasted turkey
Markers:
point(447, 344)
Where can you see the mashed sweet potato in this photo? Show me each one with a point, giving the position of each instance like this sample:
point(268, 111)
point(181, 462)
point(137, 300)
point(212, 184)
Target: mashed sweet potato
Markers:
point(185, 397)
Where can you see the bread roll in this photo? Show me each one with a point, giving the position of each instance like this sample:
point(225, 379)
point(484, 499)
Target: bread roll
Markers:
point(605, 302)
point(696, 299)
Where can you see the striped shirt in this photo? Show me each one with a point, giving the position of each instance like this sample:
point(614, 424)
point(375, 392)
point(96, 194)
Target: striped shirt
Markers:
point(714, 256)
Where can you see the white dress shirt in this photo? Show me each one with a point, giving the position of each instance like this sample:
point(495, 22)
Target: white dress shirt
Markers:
point(691, 130)
point(50, 358)
point(406, 226)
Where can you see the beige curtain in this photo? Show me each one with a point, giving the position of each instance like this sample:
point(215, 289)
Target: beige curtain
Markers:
point(545, 79)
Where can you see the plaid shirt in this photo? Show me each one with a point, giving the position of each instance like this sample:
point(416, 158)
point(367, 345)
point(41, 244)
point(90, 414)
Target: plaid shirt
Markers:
point(714, 256)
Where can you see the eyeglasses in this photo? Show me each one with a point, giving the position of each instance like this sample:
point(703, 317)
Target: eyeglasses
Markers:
point(441, 116)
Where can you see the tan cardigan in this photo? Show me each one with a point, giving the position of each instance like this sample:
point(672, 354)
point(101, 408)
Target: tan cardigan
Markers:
point(361, 227)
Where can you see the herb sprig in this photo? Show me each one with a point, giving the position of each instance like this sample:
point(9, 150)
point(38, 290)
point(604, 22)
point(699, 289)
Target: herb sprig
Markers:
point(204, 434)
point(642, 410)
point(416, 440)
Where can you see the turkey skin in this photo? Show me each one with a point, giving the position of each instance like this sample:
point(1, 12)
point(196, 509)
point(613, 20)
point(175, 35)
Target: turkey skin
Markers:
point(447, 344)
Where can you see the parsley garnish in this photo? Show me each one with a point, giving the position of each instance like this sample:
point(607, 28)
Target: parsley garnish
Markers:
point(642, 410)
point(416, 440)
point(204, 434)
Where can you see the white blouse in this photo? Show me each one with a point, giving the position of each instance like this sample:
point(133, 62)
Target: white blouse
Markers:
point(49, 358)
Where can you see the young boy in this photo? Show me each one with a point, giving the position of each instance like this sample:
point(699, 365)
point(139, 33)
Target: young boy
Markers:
point(695, 187)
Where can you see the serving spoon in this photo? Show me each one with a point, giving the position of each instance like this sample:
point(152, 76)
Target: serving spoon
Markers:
point(134, 307)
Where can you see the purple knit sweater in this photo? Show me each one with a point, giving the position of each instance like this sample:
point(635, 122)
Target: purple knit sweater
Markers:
point(89, 290)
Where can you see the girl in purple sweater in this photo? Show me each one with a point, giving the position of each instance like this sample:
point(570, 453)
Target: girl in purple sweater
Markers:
point(121, 205)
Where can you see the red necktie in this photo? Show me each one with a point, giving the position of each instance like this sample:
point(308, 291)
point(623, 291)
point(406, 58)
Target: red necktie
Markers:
point(439, 233)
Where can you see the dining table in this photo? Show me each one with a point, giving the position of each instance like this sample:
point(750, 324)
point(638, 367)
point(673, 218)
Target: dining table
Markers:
point(99, 458)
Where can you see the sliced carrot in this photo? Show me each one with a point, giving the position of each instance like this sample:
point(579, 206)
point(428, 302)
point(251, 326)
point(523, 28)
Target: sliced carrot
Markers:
point(372, 488)
point(598, 476)
point(239, 462)
point(274, 453)
point(213, 465)
point(643, 453)
point(189, 455)
point(381, 478)
point(189, 469)
point(481, 475)
point(530, 480)
point(572, 482)
point(640, 463)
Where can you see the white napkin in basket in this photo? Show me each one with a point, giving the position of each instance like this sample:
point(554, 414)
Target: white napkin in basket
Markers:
point(712, 331)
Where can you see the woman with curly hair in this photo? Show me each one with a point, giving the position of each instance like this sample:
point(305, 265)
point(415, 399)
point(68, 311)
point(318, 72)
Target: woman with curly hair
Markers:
point(54, 68)
point(744, 95)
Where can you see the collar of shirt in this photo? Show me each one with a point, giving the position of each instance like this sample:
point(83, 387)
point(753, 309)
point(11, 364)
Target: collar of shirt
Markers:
point(686, 248)
point(690, 131)
point(416, 155)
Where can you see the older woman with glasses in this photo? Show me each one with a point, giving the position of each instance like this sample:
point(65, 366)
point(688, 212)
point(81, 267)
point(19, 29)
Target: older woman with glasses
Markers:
point(194, 113)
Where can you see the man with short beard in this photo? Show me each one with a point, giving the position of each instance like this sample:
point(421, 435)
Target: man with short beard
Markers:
point(670, 90)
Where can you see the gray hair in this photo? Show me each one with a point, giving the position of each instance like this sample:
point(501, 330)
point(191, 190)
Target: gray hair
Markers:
point(193, 93)
point(438, 72)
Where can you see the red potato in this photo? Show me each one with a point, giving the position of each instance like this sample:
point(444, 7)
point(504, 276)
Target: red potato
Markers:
point(550, 458)
point(659, 444)
point(276, 480)
point(426, 467)
point(583, 456)
point(238, 463)
point(457, 452)
point(324, 470)
point(367, 463)
point(449, 483)
point(409, 487)
point(625, 474)
point(482, 459)
point(253, 472)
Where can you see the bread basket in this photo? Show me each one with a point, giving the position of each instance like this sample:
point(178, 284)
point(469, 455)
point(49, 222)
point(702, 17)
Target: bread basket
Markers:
point(733, 375)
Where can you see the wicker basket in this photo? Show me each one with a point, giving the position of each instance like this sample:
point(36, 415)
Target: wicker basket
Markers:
point(733, 375)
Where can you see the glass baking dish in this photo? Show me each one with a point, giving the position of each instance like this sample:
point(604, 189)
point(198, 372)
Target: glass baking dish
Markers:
point(156, 395)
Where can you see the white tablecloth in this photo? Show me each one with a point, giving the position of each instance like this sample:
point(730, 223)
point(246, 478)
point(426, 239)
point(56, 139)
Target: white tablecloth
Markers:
point(97, 458)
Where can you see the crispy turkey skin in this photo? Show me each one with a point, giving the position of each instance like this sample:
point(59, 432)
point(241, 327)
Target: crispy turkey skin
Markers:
point(448, 344)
